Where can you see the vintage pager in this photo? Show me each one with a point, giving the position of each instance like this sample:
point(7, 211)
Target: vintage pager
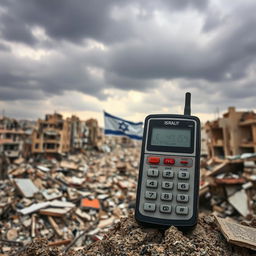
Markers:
point(168, 183)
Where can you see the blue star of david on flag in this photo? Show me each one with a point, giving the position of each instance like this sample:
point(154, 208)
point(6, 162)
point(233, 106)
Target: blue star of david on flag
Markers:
point(117, 126)
point(123, 126)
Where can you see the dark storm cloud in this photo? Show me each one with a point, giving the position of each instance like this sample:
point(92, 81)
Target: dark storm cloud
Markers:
point(20, 79)
point(63, 70)
point(227, 58)
point(62, 20)
point(78, 19)
point(181, 4)
point(139, 53)
point(8, 94)
point(129, 83)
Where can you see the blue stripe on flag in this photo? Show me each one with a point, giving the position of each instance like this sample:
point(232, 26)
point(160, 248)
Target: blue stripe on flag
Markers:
point(120, 133)
point(118, 118)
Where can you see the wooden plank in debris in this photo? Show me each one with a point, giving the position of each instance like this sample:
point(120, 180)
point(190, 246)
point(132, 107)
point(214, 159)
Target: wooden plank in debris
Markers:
point(59, 242)
point(55, 226)
point(68, 165)
point(56, 212)
point(230, 181)
point(26, 187)
point(224, 167)
point(83, 215)
point(33, 226)
point(107, 222)
point(237, 234)
point(204, 189)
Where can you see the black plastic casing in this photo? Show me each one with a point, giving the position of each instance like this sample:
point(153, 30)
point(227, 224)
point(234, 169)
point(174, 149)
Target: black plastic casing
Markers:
point(164, 223)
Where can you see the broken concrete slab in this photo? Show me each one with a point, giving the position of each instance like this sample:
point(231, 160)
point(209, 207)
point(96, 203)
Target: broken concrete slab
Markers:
point(240, 201)
point(26, 187)
point(50, 194)
point(34, 207)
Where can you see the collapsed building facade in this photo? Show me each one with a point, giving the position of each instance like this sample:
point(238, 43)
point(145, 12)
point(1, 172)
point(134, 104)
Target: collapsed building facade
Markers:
point(233, 134)
point(51, 135)
point(11, 137)
point(56, 135)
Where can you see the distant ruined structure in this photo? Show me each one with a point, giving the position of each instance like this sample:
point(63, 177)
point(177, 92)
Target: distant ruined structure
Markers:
point(233, 134)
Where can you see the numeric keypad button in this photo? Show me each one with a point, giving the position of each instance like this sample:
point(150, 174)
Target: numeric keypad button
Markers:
point(151, 184)
point(183, 175)
point(150, 195)
point(165, 208)
point(168, 174)
point(149, 207)
point(152, 172)
point(182, 210)
point(166, 196)
point(182, 198)
point(183, 186)
point(167, 185)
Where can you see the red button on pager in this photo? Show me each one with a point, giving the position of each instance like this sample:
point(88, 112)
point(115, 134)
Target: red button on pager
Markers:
point(169, 161)
point(184, 162)
point(154, 160)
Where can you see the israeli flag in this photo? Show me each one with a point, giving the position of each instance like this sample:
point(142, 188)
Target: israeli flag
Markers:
point(117, 126)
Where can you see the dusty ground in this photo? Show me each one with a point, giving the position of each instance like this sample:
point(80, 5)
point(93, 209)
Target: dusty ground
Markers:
point(127, 238)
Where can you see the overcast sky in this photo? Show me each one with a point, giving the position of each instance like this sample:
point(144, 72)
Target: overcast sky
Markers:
point(130, 58)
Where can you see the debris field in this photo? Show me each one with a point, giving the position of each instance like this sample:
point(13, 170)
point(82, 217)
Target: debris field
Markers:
point(82, 204)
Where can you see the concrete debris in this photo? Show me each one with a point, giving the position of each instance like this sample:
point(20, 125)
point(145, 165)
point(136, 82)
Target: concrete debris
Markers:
point(228, 188)
point(65, 192)
point(240, 201)
point(58, 199)
point(26, 187)
point(127, 237)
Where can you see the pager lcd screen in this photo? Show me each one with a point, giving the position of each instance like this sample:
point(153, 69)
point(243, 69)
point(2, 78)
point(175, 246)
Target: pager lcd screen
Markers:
point(171, 137)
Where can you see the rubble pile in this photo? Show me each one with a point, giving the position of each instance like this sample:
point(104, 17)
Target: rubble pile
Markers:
point(73, 206)
point(128, 238)
point(72, 201)
point(230, 186)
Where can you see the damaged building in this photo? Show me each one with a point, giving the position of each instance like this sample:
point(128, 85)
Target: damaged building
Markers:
point(11, 138)
point(94, 133)
point(78, 134)
point(56, 135)
point(233, 134)
point(51, 135)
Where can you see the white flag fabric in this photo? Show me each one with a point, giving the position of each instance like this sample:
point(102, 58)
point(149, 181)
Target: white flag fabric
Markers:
point(117, 126)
